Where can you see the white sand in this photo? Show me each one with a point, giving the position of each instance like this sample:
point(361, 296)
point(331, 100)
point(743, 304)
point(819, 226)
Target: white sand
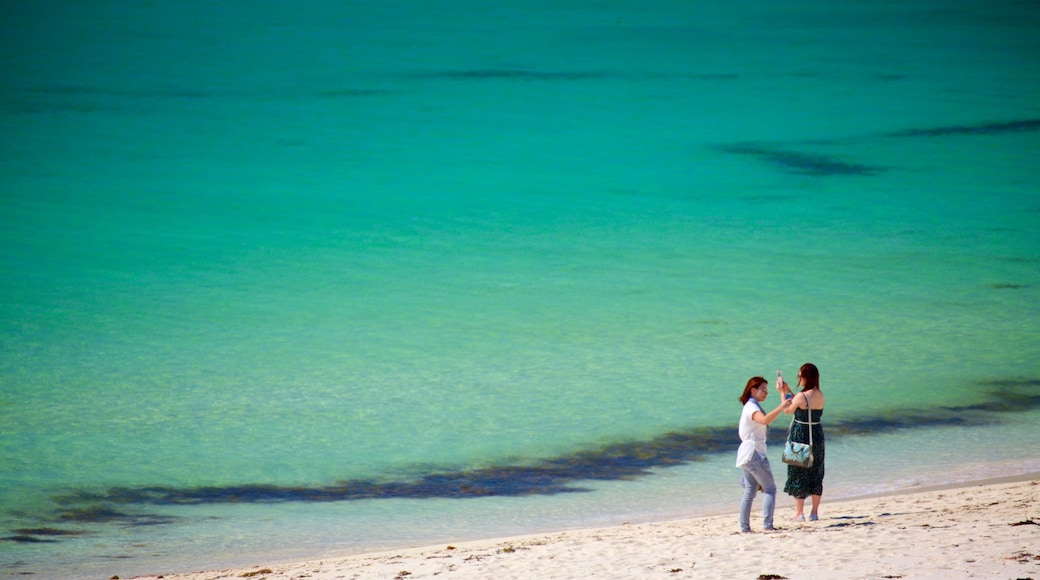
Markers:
point(964, 532)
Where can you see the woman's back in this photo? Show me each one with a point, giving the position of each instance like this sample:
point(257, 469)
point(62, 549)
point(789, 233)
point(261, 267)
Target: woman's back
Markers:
point(815, 397)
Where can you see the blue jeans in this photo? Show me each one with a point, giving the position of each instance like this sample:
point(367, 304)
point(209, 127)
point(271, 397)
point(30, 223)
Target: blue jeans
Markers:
point(757, 473)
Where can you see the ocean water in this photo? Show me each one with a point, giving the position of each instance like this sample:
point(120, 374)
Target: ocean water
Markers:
point(280, 281)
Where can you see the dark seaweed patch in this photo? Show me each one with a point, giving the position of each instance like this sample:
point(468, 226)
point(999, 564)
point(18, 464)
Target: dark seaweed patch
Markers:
point(980, 129)
point(40, 535)
point(91, 514)
point(513, 74)
point(1007, 384)
point(621, 461)
point(798, 162)
point(174, 93)
point(48, 532)
point(850, 524)
point(617, 461)
point(27, 539)
point(349, 93)
point(99, 513)
point(715, 76)
point(1008, 286)
point(820, 165)
point(69, 99)
point(561, 474)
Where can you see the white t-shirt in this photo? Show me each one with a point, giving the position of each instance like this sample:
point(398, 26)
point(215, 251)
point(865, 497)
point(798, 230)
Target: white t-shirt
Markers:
point(752, 433)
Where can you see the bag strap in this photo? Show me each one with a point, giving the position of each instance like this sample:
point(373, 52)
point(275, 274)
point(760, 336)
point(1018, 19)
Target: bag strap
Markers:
point(808, 408)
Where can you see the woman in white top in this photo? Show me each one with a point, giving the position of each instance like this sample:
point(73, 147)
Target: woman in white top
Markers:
point(752, 453)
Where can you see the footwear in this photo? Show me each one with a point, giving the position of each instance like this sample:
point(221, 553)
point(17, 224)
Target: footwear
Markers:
point(799, 518)
point(813, 517)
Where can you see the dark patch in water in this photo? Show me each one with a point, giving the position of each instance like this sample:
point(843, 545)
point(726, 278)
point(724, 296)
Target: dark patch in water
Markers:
point(616, 461)
point(92, 514)
point(981, 129)
point(48, 532)
point(176, 93)
point(1006, 286)
point(1019, 259)
point(621, 461)
point(348, 93)
point(143, 520)
point(769, 199)
point(26, 539)
point(712, 76)
point(797, 162)
point(68, 99)
point(96, 512)
point(820, 165)
point(1010, 384)
point(514, 74)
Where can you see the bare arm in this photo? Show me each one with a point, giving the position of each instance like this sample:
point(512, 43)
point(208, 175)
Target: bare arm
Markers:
point(767, 418)
point(798, 402)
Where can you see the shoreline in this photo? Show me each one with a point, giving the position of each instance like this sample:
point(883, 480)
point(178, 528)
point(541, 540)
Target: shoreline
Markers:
point(987, 528)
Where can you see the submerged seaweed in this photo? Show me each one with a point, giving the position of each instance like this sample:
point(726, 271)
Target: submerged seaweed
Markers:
point(980, 129)
point(513, 74)
point(27, 539)
point(561, 474)
point(798, 162)
point(616, 461)
point(40, 535)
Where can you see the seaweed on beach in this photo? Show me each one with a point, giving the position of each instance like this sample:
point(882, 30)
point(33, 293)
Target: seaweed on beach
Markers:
point(850, 524)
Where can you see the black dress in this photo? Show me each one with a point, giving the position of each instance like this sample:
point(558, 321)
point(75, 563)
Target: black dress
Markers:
point(801, 481)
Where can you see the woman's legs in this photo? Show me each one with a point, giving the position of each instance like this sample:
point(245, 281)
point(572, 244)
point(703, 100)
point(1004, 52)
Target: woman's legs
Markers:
point(815, 505)
point(750, 488)
point(799, 507)
point(758, 473)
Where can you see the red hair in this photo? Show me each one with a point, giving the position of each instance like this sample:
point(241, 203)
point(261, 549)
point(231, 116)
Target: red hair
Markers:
point(811, 376)
point(752, 383)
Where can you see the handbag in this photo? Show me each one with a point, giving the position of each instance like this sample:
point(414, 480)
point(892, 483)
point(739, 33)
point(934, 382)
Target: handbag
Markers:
point(799, 454)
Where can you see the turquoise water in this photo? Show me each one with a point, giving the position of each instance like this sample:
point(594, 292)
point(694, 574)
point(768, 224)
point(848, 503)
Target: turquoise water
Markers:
point(281, 282)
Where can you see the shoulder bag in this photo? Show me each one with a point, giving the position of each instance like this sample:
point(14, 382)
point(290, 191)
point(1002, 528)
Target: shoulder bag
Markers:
point(799, 454)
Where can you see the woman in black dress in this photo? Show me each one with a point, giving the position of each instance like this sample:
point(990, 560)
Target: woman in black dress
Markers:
point(803, 482)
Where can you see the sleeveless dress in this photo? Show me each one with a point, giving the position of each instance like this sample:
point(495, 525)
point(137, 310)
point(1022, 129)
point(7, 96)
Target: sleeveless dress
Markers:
point(803, 482)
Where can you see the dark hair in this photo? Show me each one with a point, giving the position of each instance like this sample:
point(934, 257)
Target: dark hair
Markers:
point(752, 383)
point(811, 375)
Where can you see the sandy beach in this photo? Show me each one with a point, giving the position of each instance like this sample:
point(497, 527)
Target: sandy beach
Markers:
point(985, 529)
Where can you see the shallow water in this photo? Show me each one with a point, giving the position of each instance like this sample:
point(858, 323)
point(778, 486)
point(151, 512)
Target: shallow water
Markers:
point(375, 275)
